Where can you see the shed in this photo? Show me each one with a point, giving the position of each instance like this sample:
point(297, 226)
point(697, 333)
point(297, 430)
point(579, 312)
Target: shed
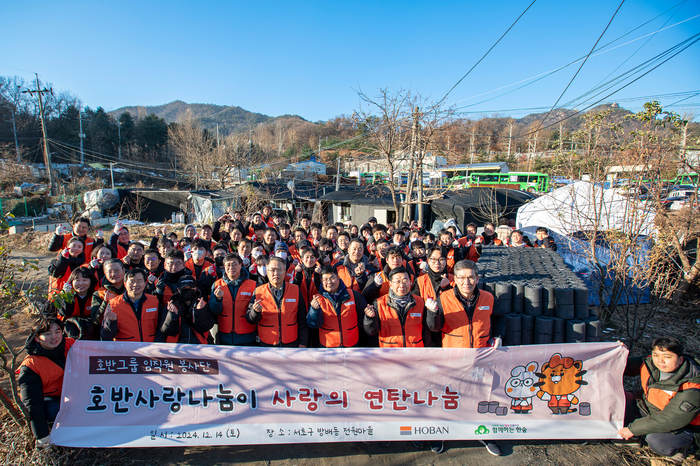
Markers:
point(156, 205)
point(357, 204)
point(479, 205)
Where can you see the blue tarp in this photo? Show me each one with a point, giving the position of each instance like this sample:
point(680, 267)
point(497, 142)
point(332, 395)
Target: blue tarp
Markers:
point(575, 253)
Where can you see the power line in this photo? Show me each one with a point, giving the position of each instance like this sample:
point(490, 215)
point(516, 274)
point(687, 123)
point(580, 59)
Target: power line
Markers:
point(542, 76)
point(584, 62)
point(680, 5)
point(487, 52)
point(618, 90)
point(623, 76)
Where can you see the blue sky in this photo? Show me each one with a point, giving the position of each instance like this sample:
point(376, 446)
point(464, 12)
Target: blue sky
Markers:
point(310, 58)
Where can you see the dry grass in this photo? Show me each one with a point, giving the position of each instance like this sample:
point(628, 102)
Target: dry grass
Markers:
point(17, 449)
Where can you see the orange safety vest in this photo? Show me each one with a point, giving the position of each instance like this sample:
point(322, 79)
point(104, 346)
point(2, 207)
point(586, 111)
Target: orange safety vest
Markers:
point(121, 251)
point(167, 294)
point(129, 327)
point(339, 330)
point(104, 294)
point(417, 271)
point(660, 398)
point(190, 265)
point(290, 273)
point(88, 244)
point(392, 334)
point(451, 260)
point(51, 373)
point(77, 312)
point(308, 290)
point(473, 254)
point(459, 331)
point(384, 290)
point(426, 288)
point(348, 278)
point(232, 318)
point(56, 283)
point(278, 325)
point(294, 252)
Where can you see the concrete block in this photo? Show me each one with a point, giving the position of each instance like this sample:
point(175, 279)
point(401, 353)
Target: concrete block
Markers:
point(16, 229)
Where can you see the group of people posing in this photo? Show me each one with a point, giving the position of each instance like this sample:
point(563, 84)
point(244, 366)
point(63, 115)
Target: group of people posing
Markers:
point(263, 282)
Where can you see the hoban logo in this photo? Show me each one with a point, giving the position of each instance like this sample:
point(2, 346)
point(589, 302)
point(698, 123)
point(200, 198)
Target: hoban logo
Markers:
point(424, 430)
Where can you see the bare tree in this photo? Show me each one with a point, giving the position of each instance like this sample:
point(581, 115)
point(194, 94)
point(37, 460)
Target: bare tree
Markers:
point(193, 147)
point(383, 120)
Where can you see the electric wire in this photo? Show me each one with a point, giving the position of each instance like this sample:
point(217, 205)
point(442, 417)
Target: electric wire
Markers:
point(487, 52)
point(584, 62)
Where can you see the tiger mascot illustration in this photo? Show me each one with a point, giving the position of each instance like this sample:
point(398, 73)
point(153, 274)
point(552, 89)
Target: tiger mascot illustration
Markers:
point(559, 379)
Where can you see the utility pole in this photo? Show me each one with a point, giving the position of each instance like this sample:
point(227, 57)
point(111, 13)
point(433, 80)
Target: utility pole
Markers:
point(218, 148)
point(337, 176)
point(111, 172)
point(14, 130)
point(510, 136)
point(250, 143)
point(47, 154)
point(119, 132)
point(471, 146)
point(14, 127)
point(319, 151)
point(81, 135)
point(448, 147)
point(416, 117)
point(683, 142)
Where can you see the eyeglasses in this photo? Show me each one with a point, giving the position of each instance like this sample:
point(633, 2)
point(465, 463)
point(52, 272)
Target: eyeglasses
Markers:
point(405, 281)
point(437, 261)
point(151, 259)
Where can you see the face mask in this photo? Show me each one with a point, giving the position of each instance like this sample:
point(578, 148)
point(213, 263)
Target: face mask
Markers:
point(262, 270)
point(219, 261)
point(198, 254)
point(188, 295)
point(186, 249)
point(256, 254)
point(281, 254)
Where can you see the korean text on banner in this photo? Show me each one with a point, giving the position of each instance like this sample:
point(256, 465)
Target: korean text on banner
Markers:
point(120, 394)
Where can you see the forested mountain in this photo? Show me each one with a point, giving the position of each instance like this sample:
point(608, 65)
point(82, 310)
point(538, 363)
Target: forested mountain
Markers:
point(231, 119)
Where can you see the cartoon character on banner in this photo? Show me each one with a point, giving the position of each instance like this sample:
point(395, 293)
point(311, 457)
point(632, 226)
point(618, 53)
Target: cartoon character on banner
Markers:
point(559, 379)
point(521, 387)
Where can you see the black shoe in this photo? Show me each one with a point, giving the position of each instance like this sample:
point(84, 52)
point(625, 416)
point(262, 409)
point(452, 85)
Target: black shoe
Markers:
point(634, 442)
point(437, 446)
point(492, 448)
point(418, 445)
point(384, 444)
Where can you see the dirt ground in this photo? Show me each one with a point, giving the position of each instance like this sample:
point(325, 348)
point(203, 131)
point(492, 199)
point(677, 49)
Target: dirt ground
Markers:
point(592, 453)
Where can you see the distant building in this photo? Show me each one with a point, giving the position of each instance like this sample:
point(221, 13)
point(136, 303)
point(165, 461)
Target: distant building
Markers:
point(308, 170)
point(402, 163)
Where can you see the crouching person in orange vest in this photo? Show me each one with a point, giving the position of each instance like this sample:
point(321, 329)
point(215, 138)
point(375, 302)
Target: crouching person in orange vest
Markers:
point(667, 410)
point(229, 301)
point(187, 319)
point(337, 312)
point(279, 310)
point(398, 317)
point(41, 376)
point(467, 317)
point(133, 316)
